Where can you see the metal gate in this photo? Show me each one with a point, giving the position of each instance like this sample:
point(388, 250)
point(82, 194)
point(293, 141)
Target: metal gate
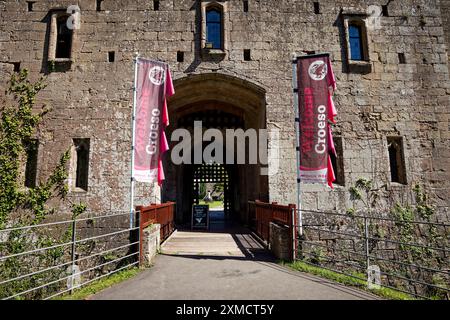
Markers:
point(212, 173)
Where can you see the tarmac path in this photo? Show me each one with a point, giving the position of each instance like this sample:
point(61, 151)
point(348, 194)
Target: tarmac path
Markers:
point(228, 265)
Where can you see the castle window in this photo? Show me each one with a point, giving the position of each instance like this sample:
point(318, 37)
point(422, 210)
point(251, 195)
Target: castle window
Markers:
point(401, 58)
point(355, 40)
point(385, 11)
point(99, 5)
point(31, 164)
point(338, 161)
point(79, 172)
point(30, 5)
point(63, 38)
point(396, 159)
point(214, 28)
point(317, 8)
point(356, 46)
point(156, 5)
point(245, 6)
point(16, 66)
point(247, 55)
point(111, 56)
point(180, 56)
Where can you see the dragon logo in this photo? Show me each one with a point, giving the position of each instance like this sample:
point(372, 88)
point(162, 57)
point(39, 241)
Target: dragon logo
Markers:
point(157, 75)
point(318, 70)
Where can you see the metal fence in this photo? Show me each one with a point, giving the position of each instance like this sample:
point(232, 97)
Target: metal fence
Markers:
point(50, 259)
point(408, 256)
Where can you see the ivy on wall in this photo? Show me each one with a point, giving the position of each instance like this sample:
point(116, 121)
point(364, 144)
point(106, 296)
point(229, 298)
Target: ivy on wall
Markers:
point(21, 206)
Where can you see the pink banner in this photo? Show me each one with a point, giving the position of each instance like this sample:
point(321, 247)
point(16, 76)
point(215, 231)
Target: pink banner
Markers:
point(154, 85)
point(316, 83)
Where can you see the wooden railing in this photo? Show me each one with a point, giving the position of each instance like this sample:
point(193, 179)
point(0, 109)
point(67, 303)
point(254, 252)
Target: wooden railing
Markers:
point(263, 214)
point(162, 214)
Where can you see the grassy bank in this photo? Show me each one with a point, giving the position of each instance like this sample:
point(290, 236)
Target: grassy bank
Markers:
point(99, 285)
point(348, 280)
point(212, 205)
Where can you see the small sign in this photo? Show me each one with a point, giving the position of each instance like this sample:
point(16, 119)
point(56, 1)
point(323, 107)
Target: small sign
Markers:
point(200, 217)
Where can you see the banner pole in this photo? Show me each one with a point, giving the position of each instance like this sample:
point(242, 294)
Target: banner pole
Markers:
point(297, 136)
point(133, 140)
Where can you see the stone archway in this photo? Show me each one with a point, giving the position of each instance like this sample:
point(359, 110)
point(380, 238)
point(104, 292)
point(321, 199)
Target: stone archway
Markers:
point(221, 102)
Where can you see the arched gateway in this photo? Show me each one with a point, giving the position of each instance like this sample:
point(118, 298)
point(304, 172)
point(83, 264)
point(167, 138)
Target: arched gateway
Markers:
point(221, 102)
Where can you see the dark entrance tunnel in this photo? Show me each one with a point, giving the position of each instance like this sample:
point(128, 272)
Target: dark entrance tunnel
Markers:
point(220, 102)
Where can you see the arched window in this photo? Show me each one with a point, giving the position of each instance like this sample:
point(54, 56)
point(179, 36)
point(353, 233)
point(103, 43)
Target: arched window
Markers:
point(214, 28)
point(356, 42)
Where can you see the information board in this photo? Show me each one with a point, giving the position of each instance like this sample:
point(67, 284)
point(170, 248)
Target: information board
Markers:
point(200, 217)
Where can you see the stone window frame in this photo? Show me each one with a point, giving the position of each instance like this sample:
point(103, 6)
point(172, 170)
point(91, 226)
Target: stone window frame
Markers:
point(222, 6)
point(359, 18)
point(31, 163)
point(340, 166)
point(399, 144)
point(73, 172)
point(55, 14)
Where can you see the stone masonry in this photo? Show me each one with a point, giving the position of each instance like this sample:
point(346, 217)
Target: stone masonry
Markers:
point(93, 97)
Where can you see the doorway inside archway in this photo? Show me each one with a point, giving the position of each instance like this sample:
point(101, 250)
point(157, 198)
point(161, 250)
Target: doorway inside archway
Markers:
point(211, 187)
point(219, 102)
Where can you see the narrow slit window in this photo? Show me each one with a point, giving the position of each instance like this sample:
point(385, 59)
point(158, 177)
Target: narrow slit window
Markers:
point(16, 66)
point(401, 58)
point(180, 56)
point(31, 164)
point(111, 56)
point(30, 5)
point(214, 28)
point(156, 5)
point(99, 5)
point(317, 7)
point(396, 159)
point(356, 43)
point(81, 170)
point(247, 55)
point(385, 10)
point(63, 38)
point(338, 162)
point(245, 6)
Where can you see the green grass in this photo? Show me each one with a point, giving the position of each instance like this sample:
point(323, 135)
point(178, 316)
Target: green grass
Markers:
point(212, 205)
point(348, 280)
point(97, 286)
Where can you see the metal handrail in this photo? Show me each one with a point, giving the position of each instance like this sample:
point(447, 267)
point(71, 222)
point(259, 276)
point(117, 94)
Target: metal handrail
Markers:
point(69, 276)
point(377, 257)
point(373, 218)
point(65, 244)
point(67, 263)
point(378, 239)
point(365, 237)
point(73, 260)
point(64, 221)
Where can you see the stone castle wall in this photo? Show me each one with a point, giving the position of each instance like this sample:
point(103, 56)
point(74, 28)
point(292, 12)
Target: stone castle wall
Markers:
point(93, 99)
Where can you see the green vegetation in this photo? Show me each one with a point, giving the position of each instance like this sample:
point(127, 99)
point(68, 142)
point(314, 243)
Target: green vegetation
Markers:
point(405, 230)
point(101, 284)
point(212, 205)
point(348, 280)
point(20, 206)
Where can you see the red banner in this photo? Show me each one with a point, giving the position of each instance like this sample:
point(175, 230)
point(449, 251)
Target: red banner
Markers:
point(316, 110)
point(154, 85)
